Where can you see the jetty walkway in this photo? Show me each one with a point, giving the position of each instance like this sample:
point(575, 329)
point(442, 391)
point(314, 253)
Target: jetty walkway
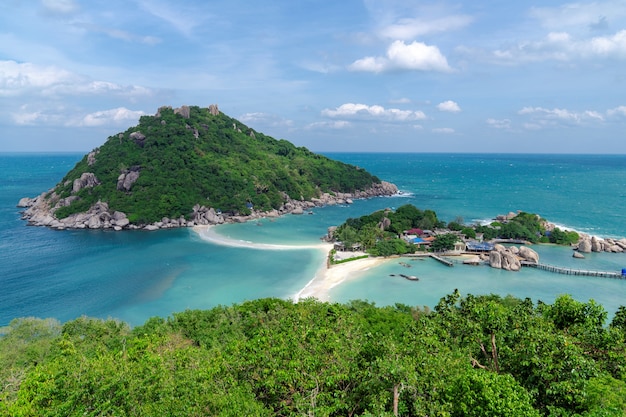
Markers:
point(440, 259)
point(570, 271)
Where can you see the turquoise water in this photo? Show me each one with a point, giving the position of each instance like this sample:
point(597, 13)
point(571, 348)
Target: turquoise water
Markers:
point(136, 275)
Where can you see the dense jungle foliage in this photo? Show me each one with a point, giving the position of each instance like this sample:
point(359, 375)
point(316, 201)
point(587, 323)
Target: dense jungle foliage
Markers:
point(470, 356)
point(378, 233)
point(206, 159)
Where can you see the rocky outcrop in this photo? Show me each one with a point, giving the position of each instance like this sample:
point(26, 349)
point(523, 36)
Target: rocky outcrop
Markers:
point(183, 111)
point(510, 258)
point(91, 157)
point(127, 178)
point(588, 244)
point(86, 180)
point(528, 255)
point(214, 110)
point(205, 215)
point(138, 137)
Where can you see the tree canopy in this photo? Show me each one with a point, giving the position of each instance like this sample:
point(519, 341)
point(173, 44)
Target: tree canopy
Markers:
point(470, 356)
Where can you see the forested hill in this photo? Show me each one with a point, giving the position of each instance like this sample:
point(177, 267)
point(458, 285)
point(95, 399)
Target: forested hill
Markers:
point(190, 156)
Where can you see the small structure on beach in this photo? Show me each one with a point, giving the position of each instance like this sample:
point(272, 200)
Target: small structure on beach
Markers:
point(479, 247)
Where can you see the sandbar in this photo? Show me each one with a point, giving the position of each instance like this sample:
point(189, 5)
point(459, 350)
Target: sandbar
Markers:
point(326, 276)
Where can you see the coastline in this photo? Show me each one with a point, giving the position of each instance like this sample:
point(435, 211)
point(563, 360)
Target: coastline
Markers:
point(326, 276)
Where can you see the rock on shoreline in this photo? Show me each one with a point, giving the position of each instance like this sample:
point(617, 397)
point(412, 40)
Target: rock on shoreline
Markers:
point(40, 210)
point(510, 258)
point(588, 244)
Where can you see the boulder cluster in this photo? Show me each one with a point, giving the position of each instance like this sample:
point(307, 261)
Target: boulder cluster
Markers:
point(510, 258)
point(40, 211)
point(588, 244)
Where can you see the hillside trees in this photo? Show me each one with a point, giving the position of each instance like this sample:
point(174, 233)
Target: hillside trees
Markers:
point(205, 159)
point(471, 356)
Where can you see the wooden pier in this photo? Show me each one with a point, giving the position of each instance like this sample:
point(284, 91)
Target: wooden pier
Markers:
point(570, 271)
point(443, 261)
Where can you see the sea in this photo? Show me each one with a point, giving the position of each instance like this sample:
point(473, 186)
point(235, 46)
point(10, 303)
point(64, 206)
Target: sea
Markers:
point(135, 275)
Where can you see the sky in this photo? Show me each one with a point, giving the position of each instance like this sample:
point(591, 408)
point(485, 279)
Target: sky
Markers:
point(335, 76)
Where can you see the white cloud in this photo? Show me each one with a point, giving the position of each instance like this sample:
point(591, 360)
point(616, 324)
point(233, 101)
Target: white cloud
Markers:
point(449, 106)
point(118, 116)
point(17, 77)
point(499, 124)
point(120, 34)
point(620, 110)
point(355, 110)
point(411, 28)
point(61, 116)
point(402, 100)
point(443, 130)
point(331, 124)
point(264, 119)
point(606, 46)
point(416, 56)
point(561, 46)
point(27, 118)
point(543, 117)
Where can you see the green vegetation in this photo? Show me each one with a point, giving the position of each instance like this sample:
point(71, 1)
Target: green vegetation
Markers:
point(206, 159)
point(471, 356)
point(379, 232)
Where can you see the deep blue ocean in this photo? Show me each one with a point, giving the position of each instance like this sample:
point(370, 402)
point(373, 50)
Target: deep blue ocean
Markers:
point(134, 275)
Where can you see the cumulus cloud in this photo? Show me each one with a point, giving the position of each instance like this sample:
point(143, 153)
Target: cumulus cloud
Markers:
point(449, 106)
point(363, 111)
point(411, 28)
point(416, 56)
point(118, 116)
point(499, 124)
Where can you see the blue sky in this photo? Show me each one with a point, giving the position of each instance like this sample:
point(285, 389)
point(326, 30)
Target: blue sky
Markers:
point(367, 75)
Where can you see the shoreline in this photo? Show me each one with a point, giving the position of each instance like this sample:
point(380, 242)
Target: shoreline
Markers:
point(326, 276)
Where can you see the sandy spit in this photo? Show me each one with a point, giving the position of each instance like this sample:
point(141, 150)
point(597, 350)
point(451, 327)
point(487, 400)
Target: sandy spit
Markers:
point(326, 277)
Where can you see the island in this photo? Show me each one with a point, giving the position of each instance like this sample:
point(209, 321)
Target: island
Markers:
point(195, 166)
point(410, 231)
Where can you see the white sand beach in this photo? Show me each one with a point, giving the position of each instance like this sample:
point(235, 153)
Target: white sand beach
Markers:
point(325, 278)
point(328, 277)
